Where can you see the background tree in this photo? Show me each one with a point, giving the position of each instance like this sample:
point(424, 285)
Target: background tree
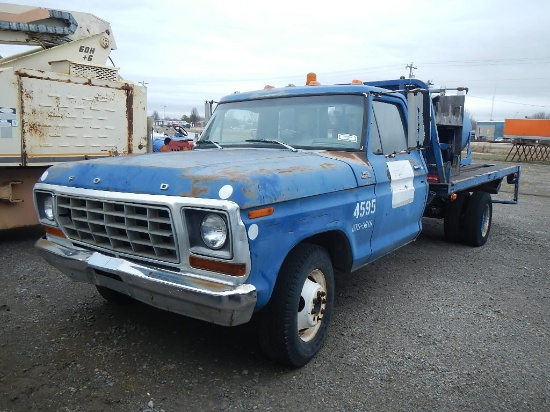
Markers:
point(194, 118)
point(539, 115)
point(473, 122)
point(155, 116)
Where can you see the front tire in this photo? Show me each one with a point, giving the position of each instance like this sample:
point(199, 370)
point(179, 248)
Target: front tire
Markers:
point(294, 325)
point(477, 219)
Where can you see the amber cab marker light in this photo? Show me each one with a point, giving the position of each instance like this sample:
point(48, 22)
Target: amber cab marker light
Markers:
point(233, 269)
point(54, 231)
point(454, 196)
point(254, 214)
point(311, 80)
point(268, 86)
point(356, 81)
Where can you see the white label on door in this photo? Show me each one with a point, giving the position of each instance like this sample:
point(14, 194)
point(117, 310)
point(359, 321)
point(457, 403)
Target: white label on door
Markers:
point(402, 182)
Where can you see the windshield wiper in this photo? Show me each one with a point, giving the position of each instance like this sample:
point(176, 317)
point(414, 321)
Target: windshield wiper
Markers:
point(271, 141)
point(208, 142)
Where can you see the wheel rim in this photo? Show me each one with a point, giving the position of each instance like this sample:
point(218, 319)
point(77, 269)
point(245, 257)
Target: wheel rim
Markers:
point(312, 305)
point(485, 220)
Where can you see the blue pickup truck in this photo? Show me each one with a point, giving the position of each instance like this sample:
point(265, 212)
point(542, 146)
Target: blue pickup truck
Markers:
point(284, 188)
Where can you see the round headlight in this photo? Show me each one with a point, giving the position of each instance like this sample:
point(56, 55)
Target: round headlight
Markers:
point(48, 207)
point(213, 231)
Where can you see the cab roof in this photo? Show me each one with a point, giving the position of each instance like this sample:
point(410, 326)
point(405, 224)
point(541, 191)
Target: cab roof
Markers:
point(356, 87)
point(291, 91)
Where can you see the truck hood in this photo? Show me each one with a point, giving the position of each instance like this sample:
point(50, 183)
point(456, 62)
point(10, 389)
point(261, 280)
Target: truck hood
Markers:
point(249, 177)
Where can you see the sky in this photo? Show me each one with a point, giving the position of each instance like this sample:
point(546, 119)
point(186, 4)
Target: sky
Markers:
point(188, 52)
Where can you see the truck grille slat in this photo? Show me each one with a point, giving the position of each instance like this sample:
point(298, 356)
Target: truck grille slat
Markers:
point(142, 231)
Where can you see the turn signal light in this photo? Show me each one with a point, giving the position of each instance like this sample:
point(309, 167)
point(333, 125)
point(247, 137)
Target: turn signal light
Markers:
point(233, 269)
point(254, 214)
point(54, 231)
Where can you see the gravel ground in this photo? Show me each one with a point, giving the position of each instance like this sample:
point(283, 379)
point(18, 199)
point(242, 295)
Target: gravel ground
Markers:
point(432, 326)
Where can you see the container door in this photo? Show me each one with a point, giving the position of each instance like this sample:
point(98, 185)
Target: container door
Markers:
point(63, 121)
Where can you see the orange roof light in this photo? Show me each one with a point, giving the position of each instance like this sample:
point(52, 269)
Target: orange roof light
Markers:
point(311, 80)
point(355, 81)
point(268, 86)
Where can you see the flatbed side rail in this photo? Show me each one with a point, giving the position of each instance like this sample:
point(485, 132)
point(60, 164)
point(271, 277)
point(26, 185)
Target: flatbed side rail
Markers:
point(485, 177)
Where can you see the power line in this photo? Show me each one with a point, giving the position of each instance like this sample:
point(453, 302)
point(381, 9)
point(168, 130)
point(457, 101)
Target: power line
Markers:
point(507, 101)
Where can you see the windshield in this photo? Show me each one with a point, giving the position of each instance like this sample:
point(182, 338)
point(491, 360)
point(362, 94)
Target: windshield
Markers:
point(332, 122)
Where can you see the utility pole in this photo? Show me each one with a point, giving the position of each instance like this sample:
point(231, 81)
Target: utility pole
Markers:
point(411, 68)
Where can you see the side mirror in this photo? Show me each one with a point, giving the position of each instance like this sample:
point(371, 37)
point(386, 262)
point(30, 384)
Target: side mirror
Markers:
point(418, 117)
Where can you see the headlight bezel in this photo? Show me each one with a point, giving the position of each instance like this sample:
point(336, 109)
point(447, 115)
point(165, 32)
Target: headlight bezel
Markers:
point(194, 218)
point(45, 207)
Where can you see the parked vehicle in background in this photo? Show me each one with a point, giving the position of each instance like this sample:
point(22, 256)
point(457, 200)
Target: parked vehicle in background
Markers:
point(59, 102)
point(179, 141)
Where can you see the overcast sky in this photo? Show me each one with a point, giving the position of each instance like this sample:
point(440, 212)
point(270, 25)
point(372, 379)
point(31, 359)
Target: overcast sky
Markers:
point(191, 51)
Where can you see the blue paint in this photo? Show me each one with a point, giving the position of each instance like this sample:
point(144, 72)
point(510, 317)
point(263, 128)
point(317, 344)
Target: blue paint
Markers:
point(258, 176)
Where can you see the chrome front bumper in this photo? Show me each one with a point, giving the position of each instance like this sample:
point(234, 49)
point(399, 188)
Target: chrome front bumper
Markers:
point(174, 292)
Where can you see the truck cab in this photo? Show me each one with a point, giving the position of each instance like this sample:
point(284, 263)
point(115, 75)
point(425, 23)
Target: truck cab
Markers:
point(364, 134)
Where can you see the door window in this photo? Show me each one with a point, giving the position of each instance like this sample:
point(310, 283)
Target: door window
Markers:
point(387, 134)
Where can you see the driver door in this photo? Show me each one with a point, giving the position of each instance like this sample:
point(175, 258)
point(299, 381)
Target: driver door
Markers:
point(401, 185)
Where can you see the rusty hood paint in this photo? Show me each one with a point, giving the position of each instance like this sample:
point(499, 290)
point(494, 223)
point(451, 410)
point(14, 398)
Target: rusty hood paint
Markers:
point(249, 177)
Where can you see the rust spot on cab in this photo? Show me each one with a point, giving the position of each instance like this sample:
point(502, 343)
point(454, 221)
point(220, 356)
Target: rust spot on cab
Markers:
point(360, 157)
point(198, 190)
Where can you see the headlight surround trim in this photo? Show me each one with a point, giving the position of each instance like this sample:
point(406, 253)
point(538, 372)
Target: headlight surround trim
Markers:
point(45, 207)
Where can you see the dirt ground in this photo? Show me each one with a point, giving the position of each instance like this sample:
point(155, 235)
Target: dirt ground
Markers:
point(433, 326)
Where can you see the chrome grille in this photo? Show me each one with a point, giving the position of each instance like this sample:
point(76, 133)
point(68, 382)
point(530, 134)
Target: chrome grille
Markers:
point(142, 231)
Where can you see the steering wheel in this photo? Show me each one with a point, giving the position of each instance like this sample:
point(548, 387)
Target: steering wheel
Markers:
point(181, 130)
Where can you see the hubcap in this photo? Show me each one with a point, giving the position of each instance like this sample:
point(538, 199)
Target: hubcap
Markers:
point(312, 305)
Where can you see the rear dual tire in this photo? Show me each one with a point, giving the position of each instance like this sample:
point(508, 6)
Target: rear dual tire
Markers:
point(478, 219)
